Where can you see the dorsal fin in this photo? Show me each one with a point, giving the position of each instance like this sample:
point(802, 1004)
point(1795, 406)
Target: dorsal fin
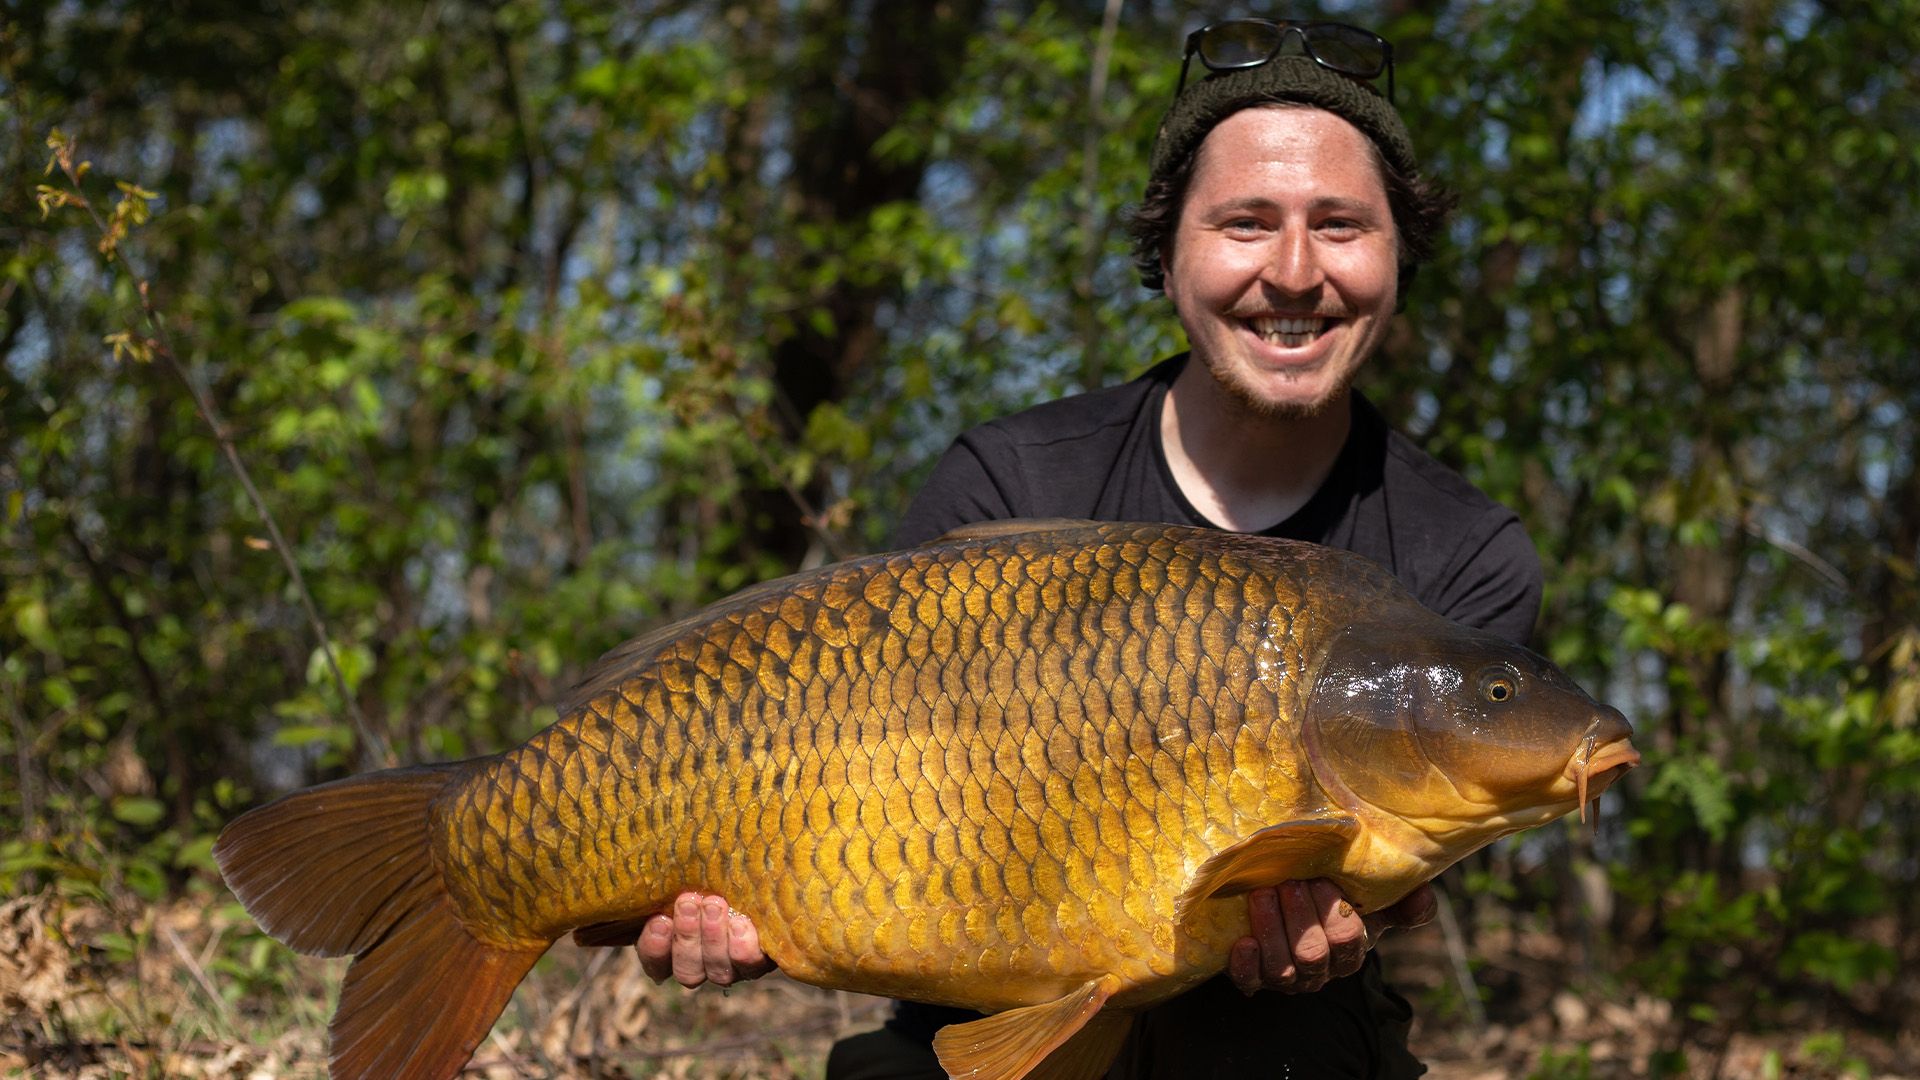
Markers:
point(619, 662)
point(1289, 851)
point(993, 530)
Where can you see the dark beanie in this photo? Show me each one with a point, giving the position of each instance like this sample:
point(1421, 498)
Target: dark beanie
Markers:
point(1205, 103)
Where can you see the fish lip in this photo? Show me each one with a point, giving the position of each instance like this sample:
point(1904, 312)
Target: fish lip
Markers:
point(1616, 758)
point(1595, 770)
point(1604, 756)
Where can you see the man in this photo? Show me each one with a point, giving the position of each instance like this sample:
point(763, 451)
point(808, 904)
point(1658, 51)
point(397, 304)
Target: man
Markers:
point(1283, 218)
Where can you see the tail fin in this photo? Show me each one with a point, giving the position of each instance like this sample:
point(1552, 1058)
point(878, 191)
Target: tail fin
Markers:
point(346, 869)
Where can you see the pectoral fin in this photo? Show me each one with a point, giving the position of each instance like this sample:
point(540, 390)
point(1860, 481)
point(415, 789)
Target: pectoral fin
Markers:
point(1066, 1039)
point(1289, 851)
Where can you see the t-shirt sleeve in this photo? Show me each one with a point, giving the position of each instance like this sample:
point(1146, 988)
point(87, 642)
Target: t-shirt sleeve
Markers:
point(965, 487)
point(1497, 584)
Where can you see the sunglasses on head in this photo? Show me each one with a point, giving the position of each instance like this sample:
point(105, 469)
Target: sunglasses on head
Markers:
point(1235, 44)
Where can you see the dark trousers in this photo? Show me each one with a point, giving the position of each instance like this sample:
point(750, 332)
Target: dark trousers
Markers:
point(1354, 1028)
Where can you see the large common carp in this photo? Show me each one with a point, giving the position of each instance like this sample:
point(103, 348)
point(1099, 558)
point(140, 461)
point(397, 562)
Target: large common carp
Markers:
point(1027, 768)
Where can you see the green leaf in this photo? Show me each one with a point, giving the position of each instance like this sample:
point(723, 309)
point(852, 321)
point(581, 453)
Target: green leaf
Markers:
point(119, 946)
point(30, 619)
point(600, 80)
point(319, 311)
point(146, 878)
point(196, 854)
point(338, 736)
point(138, 810)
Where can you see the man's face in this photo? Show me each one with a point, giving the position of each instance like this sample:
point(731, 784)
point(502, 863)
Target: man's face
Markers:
point(1285, 259)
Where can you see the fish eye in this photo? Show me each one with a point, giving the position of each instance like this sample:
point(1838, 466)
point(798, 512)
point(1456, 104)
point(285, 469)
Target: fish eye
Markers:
point(1499, 685)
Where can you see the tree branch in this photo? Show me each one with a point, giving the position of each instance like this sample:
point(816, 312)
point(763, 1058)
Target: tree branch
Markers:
point(161, 344)
point(1092, 234)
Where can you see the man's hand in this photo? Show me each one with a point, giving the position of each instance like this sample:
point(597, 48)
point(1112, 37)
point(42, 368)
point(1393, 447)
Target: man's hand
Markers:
point(1305, 933)
point(702, 941)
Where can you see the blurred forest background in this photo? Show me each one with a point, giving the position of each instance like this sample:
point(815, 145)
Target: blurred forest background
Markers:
point(537, 322)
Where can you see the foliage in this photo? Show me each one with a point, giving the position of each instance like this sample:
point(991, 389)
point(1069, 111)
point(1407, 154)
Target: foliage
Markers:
point(540, 321)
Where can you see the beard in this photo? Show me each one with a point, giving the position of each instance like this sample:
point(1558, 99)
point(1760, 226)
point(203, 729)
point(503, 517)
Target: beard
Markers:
point(1261, 408)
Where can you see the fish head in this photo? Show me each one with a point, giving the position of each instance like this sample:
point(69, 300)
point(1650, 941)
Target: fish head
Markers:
point(1461, 734)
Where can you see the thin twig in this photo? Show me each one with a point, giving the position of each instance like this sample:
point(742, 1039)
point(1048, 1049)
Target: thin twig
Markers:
point(1457, 952)
point(23, 749)
point(504, 1054)
point(576, 1003)
point(374, 745)
point(811, 517)
point(199, 976)
point(1092, 235)
point(97, 570)
point(1818, 565)
point(1096, 105)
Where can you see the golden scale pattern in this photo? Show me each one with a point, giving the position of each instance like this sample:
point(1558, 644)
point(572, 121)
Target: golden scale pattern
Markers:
point(1005, 755)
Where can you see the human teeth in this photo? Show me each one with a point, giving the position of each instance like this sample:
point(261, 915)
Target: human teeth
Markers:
point(1291, 332)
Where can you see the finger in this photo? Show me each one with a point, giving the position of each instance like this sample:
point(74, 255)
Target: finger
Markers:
point(715, 948)
point(656, 948)
point(1377, 926)
point(749, 962)
point(1346, 933)
point(1417, 908)
point(1243, 966)
point(1306, 937)
point(1273, 953)
point(688, 968)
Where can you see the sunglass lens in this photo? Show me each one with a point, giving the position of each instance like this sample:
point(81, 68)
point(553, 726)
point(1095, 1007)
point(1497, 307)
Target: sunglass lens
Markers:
point(1348, 49)
point(1238, 43)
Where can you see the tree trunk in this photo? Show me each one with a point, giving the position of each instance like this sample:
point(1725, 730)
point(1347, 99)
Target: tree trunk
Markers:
point(908, 54)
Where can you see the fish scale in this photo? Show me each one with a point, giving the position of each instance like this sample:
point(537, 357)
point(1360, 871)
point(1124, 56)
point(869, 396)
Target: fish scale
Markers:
point(1025, 769)
point(974, 726)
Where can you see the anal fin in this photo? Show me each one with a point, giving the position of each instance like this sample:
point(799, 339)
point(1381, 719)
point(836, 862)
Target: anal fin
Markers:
point(1064, 1039)
point(1289, 851)
point(1090, 1052)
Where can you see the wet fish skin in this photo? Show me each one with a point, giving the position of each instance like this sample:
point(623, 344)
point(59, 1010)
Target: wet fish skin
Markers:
point(1026, 768)
point(959, 762)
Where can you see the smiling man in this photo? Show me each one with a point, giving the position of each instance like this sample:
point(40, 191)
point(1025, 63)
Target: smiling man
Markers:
point(1284, 216)
point(1284, 270)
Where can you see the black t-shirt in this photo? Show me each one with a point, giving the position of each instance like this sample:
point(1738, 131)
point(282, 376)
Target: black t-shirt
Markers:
point(1099, 456)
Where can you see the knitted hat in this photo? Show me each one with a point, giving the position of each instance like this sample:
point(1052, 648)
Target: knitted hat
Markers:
point(1205, 103)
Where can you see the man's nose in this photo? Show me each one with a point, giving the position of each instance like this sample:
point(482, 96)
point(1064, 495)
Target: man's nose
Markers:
point(1294, 267)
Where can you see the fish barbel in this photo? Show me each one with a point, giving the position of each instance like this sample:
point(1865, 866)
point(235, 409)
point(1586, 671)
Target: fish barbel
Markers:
point(1027, 769)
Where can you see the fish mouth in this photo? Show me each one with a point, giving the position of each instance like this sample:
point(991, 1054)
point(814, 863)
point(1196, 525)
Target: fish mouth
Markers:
point(1605, 756)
